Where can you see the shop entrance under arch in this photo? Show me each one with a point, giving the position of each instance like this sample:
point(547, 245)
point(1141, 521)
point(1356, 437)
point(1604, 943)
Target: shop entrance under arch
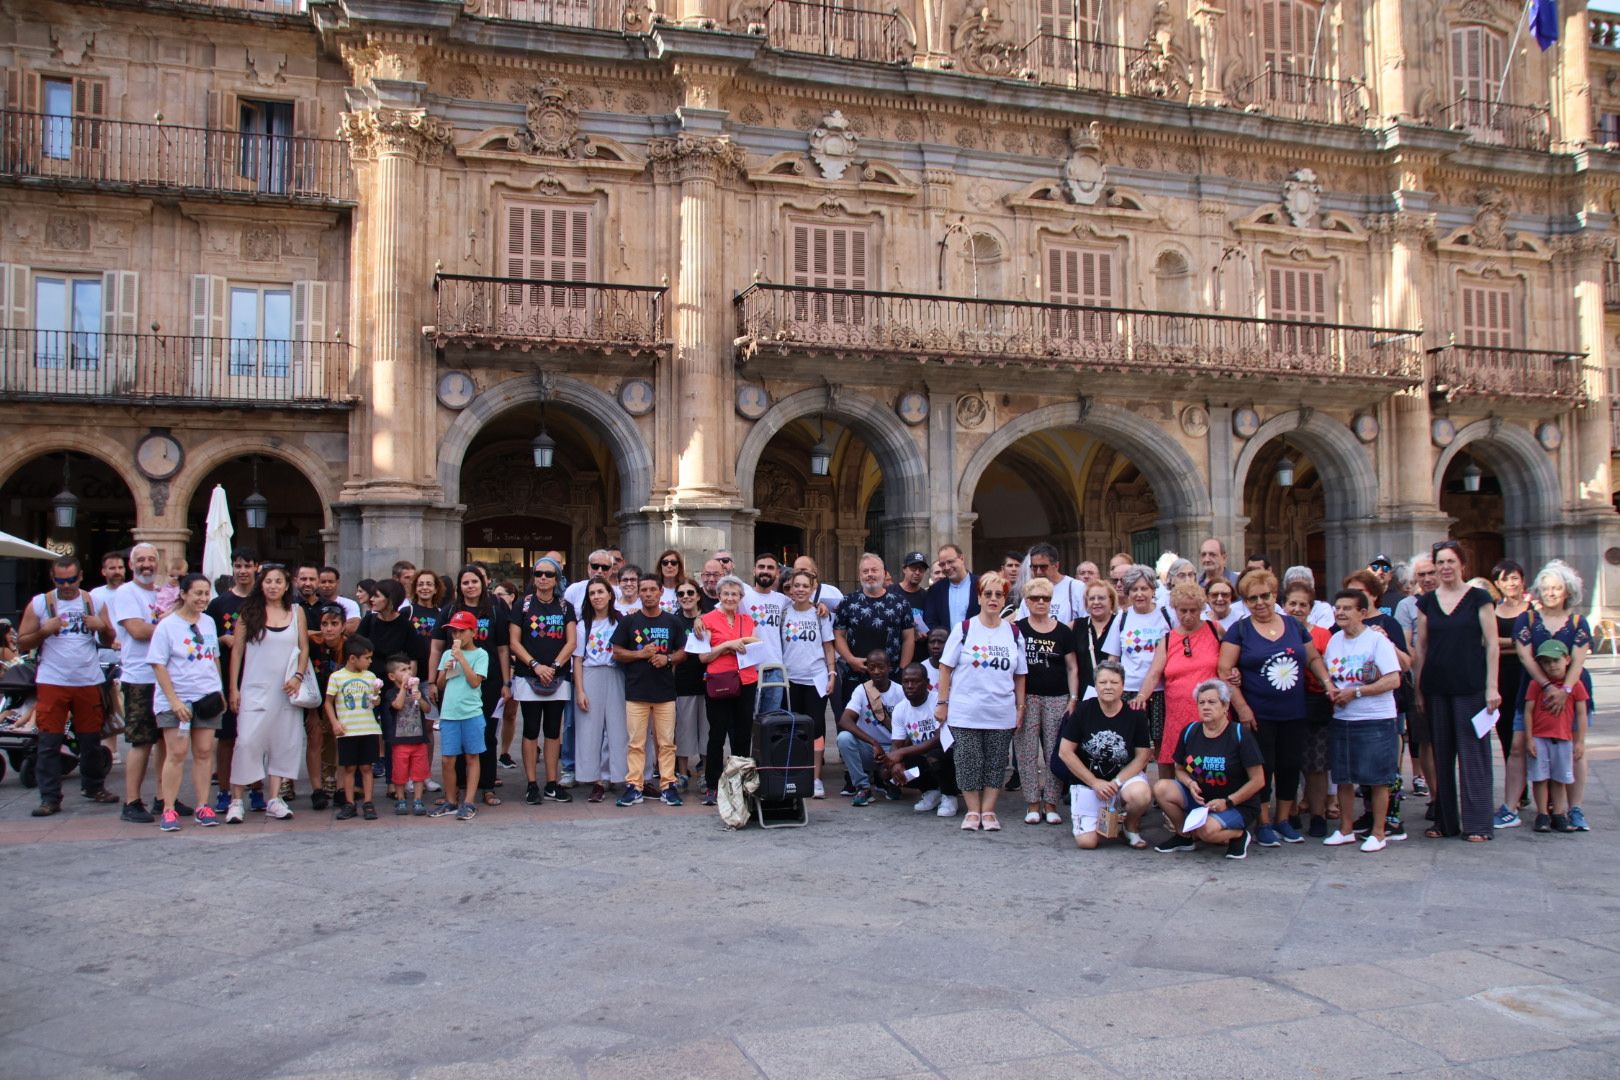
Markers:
point(105, 519)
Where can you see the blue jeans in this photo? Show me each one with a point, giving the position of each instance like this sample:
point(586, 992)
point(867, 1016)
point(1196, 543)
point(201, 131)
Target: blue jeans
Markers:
point(858, 757)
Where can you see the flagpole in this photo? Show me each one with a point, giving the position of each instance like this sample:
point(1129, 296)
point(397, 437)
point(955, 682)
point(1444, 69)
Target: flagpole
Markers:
point(1513, 49)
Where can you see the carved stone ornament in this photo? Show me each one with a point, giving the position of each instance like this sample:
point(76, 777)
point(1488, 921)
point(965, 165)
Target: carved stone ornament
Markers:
point(1084, 173)
point(971, 411)
point(1245, 422)
point(68, 232)
point(982, 42)
point(373, 133)
point(1490, 220)
point(912, 407)
point(1550, 436)
point(1302, 199)
point(267, 69)
point(696, 157)
point(1160, 69)
point(70, 47)
point(833, 145)
point(1442, 432)
point(636, 397)
point(551, 124)
point(261, 243)
point(752, 401)
point(160, 497)
point(777, 488)
point(1195, 421)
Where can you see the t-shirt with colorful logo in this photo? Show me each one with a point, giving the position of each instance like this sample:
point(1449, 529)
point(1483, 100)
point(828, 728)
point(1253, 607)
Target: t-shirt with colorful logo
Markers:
point(353, 694)
point(1361, 661)
point(804, 637)
point(1132, 637)
point(134, 602)
point(1273, 671)
point(876, 722)
point(667, 635)
point(596, 642)
point(766, 610)
point(983, 662)
point(1220, 765)
point(914, 723)
point(543, 628)
point(189, 652)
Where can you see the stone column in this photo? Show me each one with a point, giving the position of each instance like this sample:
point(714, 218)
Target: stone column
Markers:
point(1572, 82)
point(946, 524)
point(1206, 74)
point(1225, 500)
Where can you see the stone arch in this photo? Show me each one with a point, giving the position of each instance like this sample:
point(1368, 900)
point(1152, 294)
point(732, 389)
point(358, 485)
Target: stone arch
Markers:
point(1177, 482)
point(204, 459)
point(1531, 493)
point(630, 453)
point(1350, 486)
point(44, 443)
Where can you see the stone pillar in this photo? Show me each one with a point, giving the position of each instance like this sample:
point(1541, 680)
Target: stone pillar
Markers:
point(1571, 89)
point(1225, 500)
point(1206, 74)
point(946, 524)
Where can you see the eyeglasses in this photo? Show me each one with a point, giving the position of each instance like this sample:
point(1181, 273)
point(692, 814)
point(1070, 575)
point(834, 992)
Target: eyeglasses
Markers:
point(686, 592)
point(996, 593)
point(601, 566)
point(628, 580)
point(1261, 597)
point(1040, 567)
point(1446, 545)
point(545, 573)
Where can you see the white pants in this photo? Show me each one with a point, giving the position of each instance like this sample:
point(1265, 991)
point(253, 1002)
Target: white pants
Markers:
point(269, 741)
point(1084, 806)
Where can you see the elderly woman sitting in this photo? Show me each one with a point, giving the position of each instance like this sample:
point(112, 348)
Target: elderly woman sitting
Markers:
point(1219, 771)
point(1105, 747)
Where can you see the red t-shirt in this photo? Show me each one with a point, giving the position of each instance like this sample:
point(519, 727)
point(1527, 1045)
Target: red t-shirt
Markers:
point(720, 632)
point(1546, 724)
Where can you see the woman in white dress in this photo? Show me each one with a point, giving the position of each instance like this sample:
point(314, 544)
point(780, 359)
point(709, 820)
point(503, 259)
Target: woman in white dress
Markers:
point(269, 727)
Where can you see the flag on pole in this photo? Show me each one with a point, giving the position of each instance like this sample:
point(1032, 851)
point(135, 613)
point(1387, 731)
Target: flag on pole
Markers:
point(1544, 22)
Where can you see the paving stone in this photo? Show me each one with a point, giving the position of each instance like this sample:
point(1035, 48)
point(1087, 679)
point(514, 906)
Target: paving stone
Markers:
point(1354, 987)
point(1464, 1031)
point(1563, 1009)
point(1057, 1067)
point(828, 1053)
point(1170, 1011)
point(970, 1038)
point(1464, 971)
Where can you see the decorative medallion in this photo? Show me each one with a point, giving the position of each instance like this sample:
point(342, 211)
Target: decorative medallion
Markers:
point(752, 401)
point(833, 144)
point(1195, 421)
point(551, 124)
point(1442, 432)
point(1302, 198)
point(456, 389)
point(1084, 173)
point(912, 407)
point(971, 411)
point(1365, 426)
point(636, 396)
point(1245, 422)
point(1550, 436)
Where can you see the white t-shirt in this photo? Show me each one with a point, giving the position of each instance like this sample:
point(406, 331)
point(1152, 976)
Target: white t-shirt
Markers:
point(983, 663)
point(933, 675)
point(190, 652)
point(914, 723)
point(623, 606)
point(575, 594)
point(670, 604)
point(829, 595)
point(860, 705)
point(1068, 601)
point(1233, 614)
point(69, 656)
point(1322, 615)
point(1349, 662)
point(350, 606)
point(596, 642)
point(803, 636)
point(134, 602)
point(103, 597)
point(1133, 640)
point(766, 611)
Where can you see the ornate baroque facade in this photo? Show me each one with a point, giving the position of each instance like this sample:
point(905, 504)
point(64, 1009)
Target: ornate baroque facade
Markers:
point(1310, 276)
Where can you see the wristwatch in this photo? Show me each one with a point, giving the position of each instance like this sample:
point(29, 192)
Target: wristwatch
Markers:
point(1358, 691)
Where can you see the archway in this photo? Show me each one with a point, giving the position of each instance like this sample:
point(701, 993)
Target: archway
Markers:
point(1285, 520)
point(297, 514)
point(870, 448)
point(1028, 495)
point(1517, 509)
point(105, 519)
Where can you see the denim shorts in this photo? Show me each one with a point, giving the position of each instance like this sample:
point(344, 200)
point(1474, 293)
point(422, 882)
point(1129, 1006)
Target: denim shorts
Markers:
point(1554, 760)
point(1228, 819)
point(1364, 751)
point(458, 737)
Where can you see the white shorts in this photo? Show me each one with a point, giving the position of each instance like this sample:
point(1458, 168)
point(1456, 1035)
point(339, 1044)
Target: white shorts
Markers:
point(1084, 806)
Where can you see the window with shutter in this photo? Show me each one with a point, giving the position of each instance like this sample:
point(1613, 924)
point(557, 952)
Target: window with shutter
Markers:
point(1082, 276)
point(1489, 317)
point(1289, 42)
point(1478, 55)
point(1297, 294)
point(89, 110)
point(833, 260)
point(547, 242)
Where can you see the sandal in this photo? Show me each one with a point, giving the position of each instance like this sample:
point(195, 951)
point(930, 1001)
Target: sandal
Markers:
point(989, 823)
point(1135, 840)
point(970, 823)
point(1478, 838)
point(1434, 834)
point(491, 799)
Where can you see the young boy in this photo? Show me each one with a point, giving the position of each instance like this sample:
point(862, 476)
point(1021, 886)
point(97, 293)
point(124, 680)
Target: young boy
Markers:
point(915, 735)
point(352, 694)
point(461, 714)
point(1556, 739)
point(864, 739)
point(327, 648)
point(937, 638)
point(411, 736)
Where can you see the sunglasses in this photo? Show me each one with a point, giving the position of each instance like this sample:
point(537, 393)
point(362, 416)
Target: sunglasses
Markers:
point(196, 634)
point(1040, 567)
point(1260, 597)
point(601, 566)
point(993, 592)
point(65, 580)
point(545, 573)
point(1038, 599)
point(670, 562)
point(271, 566)
point(686, 592)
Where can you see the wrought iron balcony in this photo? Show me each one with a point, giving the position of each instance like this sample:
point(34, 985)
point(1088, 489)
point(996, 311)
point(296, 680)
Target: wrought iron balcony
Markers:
point(823, 28)
point(158, 369)
point(1498, 123)
point(628, 16)
point(1532, 375)
point(788, 320)
point(1604, 31)
point(1298, 96)
point(548, 314)
point(1056, 60)
point(85, 152)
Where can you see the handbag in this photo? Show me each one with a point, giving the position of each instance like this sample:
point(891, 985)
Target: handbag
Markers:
point(308, 694)
point(208, 706)
point(722, 684)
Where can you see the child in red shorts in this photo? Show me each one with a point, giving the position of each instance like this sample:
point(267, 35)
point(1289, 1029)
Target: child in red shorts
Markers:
point(412, 740)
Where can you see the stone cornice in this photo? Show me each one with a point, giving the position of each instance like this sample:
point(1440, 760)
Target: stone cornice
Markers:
point(375, 133)
point(696, 157)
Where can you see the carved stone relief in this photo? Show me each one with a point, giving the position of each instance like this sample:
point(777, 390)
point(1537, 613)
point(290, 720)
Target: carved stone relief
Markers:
point(833, 145)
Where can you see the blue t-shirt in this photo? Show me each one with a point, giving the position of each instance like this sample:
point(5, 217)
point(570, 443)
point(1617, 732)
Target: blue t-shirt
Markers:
point(1273, 671)
point(463, 702)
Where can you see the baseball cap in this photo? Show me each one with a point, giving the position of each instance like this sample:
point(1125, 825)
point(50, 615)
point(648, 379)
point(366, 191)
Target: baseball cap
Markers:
point(1552, 649)
point(914, 558)
point(463, 620)
point(1381, 559)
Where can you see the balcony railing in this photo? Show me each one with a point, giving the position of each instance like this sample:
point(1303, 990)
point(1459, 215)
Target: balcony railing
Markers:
point(87, 152)
point(629, 16)
point(166, 368)
point(952, 329)
point(1298, 96)
point(831, 29)
point(1535, 375)
point(1604, 31)
point(1523, 127)
point(1056, 60)
point(543, 313)
point(1611, 283)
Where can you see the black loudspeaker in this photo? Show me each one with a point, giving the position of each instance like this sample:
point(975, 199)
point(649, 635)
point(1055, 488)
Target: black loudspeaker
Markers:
point(785, 752)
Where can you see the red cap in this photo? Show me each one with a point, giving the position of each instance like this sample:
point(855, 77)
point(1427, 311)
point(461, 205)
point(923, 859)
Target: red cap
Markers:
point(463, 620)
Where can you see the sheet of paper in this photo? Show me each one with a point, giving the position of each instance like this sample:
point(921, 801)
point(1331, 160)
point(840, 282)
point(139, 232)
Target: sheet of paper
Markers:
point(946, 739)
point(1195, 820)
point(1485, 721)
point(754, 655)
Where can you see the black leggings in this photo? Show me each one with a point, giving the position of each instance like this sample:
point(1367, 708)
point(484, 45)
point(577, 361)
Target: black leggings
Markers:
point(731, 718)
point(806, 702)
point(1282, 744)
point(546, 715)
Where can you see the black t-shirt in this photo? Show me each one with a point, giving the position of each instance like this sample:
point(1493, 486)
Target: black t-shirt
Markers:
point(1106, 744)
point(1047, 655)
point(390, 637)
point(1220, 765)
point(689, 672)
point(1454, 660)
point(225, 609)
point(874, 622)
point(1088, 648)
point(492, 634)
point(642, 681)
point(543, 629)
point(914, 600)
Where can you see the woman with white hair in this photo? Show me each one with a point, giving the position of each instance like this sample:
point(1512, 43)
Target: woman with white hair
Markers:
point(1219, 770)
point(1134, 637)
point(1321, 611)
point(1556, 592)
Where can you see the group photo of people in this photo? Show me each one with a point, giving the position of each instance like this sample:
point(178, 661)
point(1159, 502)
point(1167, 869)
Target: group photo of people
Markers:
point(1215, 705)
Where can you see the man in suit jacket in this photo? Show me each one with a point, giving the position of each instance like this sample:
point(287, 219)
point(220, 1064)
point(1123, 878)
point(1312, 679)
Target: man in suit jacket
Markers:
point(953, 597)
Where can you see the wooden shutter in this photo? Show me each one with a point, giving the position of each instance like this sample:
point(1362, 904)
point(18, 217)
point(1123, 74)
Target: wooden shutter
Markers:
point(1489, 319)
point(830, 257)
point(208, 345)
point(548, 242)
point(1085, 276)
point(222, 148)
point(1477, 58)
point(89, 109)
point(1297, 294)
point(24, 135)
point(17, 339)
point(307, 353)
point(309, 311)
point(119, 309)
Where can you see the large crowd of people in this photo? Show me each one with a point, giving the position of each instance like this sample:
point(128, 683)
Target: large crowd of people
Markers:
point(1250, 708)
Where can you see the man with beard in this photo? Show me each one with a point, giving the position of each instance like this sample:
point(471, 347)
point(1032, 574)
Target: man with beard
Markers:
point(305, 579)
point(765, 606)
point(135, 607)
point(709, 582)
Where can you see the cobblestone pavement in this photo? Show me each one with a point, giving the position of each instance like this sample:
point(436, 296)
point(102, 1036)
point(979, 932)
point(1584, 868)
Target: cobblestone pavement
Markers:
point(589, 941)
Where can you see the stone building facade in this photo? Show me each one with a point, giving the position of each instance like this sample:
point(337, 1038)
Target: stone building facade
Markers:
point(1314, 277)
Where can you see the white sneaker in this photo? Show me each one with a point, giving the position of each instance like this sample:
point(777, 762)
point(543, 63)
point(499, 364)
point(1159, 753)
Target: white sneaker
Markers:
point(1339, 839)
point(820, 792)
point(566, 779)
point(929, 801)
point(434, 785)
point(947, 806)
point(1054, 818)
point(278, 810)
point(1032, 818)
point(233, 816)
point(1373, 843)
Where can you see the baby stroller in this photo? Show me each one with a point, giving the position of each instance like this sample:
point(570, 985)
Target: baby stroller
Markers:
point(20, 744)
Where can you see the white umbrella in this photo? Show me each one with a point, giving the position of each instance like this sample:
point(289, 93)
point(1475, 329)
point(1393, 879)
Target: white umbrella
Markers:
point(12, 547)
point(217, 537)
